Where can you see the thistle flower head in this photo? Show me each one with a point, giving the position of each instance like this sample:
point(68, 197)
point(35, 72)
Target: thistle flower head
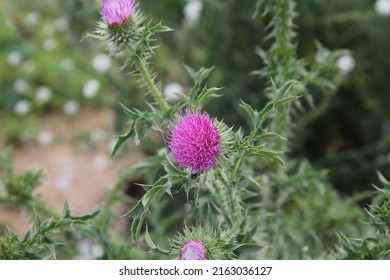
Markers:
point(193, 250)
point(200, 244)
point(194, 141)
point(117, 12)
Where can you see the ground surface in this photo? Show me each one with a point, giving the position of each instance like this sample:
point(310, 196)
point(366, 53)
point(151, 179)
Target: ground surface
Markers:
point(76, 162)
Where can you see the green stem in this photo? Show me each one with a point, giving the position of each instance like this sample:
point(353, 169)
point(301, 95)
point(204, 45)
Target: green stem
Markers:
point(223, 199)
point(237, 165)
point(143, 69)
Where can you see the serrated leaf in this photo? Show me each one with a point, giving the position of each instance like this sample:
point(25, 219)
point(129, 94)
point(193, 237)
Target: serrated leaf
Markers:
point(190, 71)
point(65, 211)
point(87, 216)
point(205, 94)
point(51, 249)
point(155, 191)
point(137, 210)
point(253, 114)
point(271, 107)
point(170, 168)
point(136, 226)
point(122, 138)
point(251, 179)
point(148, 239)
point(264, 152)
point(270, 135)
point(198, 78)
point(152, 245)
point(130, 113)
point(382, 179)
point(27, 236)
point(37, 221)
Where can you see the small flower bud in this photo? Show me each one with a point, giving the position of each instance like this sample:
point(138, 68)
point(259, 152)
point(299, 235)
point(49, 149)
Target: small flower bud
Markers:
point(193, 250)
point(117, 12)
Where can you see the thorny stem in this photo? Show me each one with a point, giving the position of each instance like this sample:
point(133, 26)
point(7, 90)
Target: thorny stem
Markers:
point(143, 69)
point(283, 51)
point(237, 166)
point(233, 205)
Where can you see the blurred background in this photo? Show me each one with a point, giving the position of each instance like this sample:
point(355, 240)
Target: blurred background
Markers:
point(59, 94)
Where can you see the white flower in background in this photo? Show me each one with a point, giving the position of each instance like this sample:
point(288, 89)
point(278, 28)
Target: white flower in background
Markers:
point(101, 63)
point(61, 23)
point(382, 7)
point(48, 30)
point(49, 44)
point(21, 86)
point(171, 92)
point(28, 66)
point(88, 250)
point(14, 58)
point(45, 138)
point(91, 88)
point(71, 107)
point(32, 18)
point(67, 64)
point(346, 63)
point(22, 107)
point(305, 249)
point(192, 12)
point(43, 94)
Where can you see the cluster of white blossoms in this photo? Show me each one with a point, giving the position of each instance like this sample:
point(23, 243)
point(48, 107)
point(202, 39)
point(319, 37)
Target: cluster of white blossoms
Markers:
point(382, 7)
point(192, 12)
point(91, 88)
point(22, 107)
point(43, 94)
point(346, 63)
point(71, 107)
point(102, 63)
point(171, 92)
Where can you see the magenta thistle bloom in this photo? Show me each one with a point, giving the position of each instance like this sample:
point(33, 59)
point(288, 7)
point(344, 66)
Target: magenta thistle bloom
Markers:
point(117, 12)
point(194, 141)
point(193, 250)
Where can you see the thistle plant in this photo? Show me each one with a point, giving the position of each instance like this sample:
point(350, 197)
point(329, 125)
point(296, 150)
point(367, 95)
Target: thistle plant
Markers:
point(220, 169)
point(213, 191)
point(193, 250)
point(125, 31)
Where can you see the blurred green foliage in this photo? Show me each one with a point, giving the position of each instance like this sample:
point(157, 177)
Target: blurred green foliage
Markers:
point(353, 130)
point(349, 136)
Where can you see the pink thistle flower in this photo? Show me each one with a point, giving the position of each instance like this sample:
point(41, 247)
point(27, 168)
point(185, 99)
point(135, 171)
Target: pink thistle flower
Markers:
point(194, 141)
point(117, 12)
point(193, 250)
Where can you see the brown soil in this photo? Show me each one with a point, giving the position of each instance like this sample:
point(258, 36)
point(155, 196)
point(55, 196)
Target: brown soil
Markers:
point(76, 164)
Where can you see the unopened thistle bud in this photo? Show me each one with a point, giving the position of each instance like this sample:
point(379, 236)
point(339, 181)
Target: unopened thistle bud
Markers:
point(116, 15)
point(194, 141)
point(193, 250)
point(199, 244)
point(117, 12)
